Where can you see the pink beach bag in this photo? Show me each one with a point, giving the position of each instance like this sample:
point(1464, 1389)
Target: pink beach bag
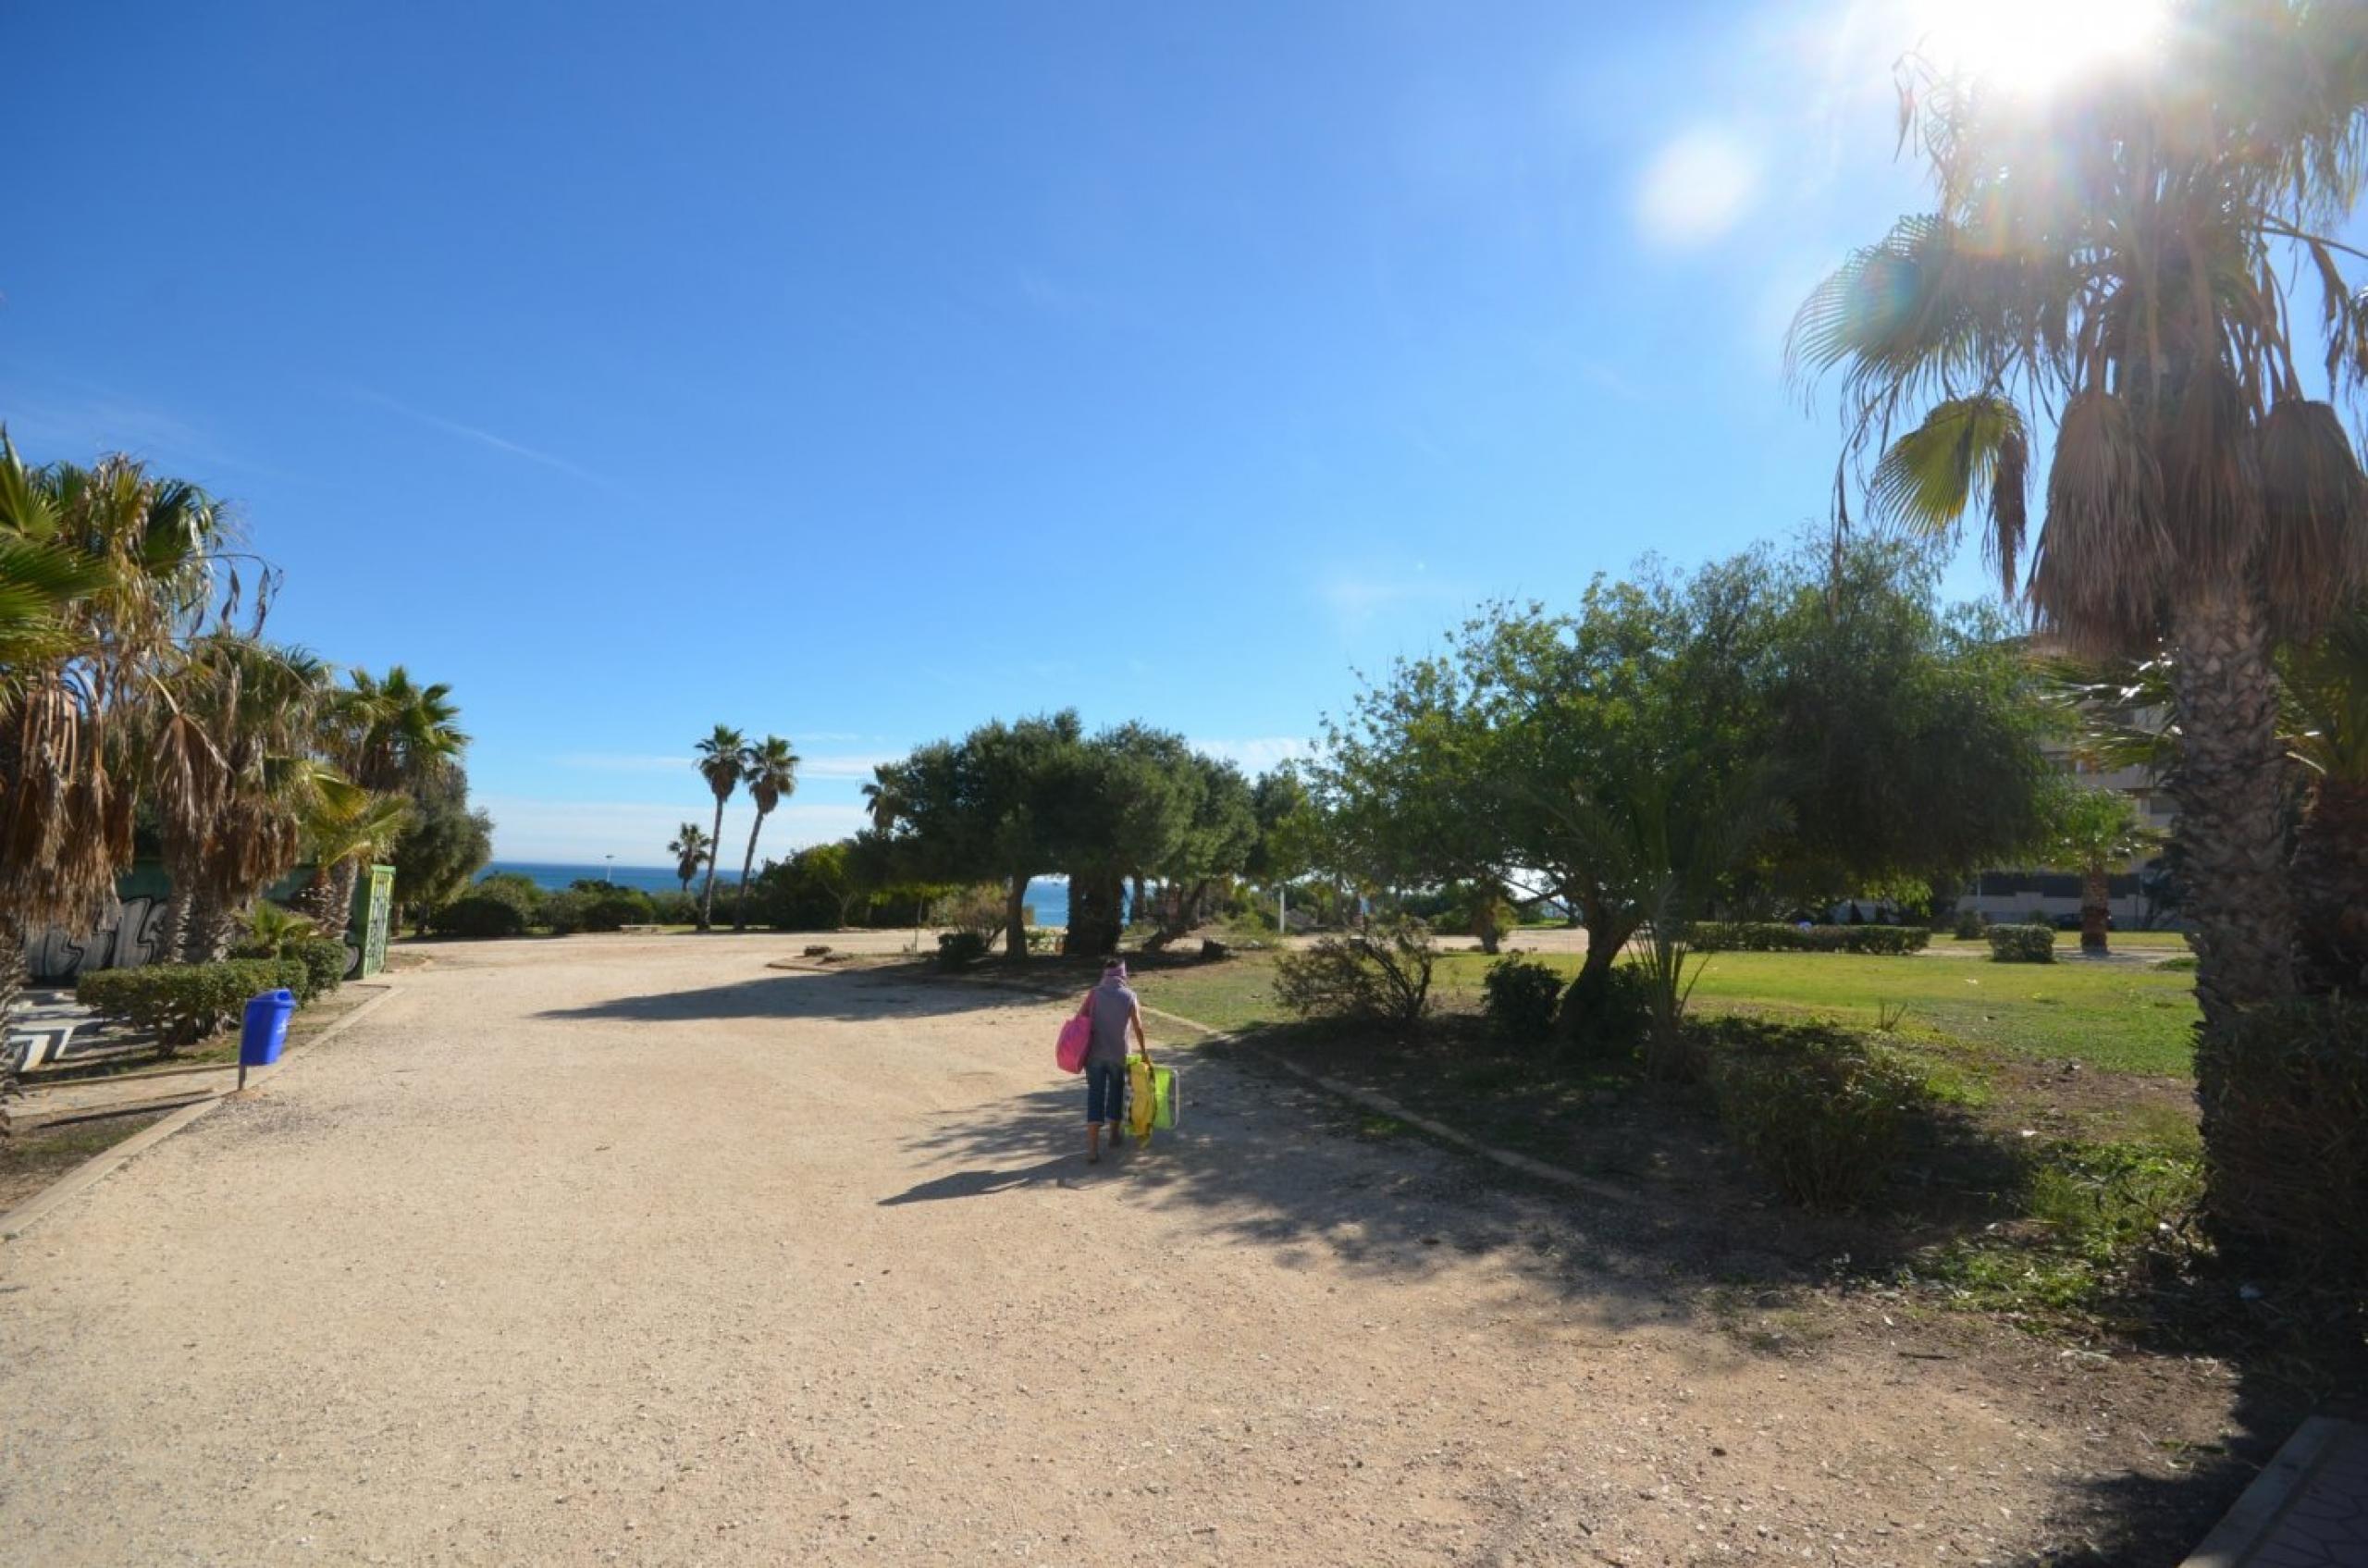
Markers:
point(1077, 1038)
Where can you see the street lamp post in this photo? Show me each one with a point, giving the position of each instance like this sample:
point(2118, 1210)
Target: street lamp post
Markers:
point(609, 872)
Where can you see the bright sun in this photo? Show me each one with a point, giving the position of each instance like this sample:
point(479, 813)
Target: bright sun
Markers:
point(2037, 45)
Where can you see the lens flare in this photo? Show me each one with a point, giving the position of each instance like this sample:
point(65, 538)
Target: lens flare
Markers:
point(2037, 47)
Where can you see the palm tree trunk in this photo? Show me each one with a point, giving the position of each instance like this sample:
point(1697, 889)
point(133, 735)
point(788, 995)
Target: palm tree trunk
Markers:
point(2096, 909)
point(2330, 881)
point(740, 905)
point(347, 877)
point(707, 897)
point(2228, 783)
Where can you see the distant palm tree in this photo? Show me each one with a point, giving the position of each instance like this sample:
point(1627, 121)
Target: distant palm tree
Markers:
point(2093, 831)
point(772, 772)
point(722, 757)
point(690, 850)
point(881, 797)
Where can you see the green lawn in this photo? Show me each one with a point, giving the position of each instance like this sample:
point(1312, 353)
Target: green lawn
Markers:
point(2115, 1018)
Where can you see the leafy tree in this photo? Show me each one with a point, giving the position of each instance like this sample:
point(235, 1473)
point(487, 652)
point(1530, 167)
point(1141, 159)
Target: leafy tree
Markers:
point(2090, 832)
point(690, 849)
point(390, 736)
point(2111, 259)
point(720, 759)
point(988, 807)
point(445, 845)
point(344, 830)
point(771, 770)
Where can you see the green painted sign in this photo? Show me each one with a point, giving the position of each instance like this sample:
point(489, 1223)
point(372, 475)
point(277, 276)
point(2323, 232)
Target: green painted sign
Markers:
point(374, 909)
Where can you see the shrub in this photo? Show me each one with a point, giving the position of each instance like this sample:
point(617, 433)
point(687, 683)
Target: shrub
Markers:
point(1521, 995)
point(324, 962)
point(1772, 936)
point(184, 1002)
point(977, 911)
point(2285, 1099)
point(675, 909)
point(1819, 1111)
point(1381, 973)
point(2022, 944)
point(597, 905)
point(960, 949)
point(479, 916)
point(1612, 1020)
point(1970, 924)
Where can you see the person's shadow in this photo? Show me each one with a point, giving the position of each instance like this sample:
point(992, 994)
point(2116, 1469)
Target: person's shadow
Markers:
point(981, 1183)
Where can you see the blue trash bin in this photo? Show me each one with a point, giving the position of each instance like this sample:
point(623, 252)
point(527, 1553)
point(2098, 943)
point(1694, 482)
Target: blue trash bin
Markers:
point(266, 1029)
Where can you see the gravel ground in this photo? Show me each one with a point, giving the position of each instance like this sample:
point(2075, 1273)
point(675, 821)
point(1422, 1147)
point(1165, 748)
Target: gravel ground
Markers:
point(626, 1250)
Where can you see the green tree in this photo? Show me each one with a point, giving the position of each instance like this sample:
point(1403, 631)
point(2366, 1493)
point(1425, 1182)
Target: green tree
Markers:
point(344, 830)
point(770, 770)
point(690, 849)
point(2326, 682)
point(393, 737)
point(988, 807)
point(2111, 259)
point(445, 845)
point(2093, 831)
point(722, 757)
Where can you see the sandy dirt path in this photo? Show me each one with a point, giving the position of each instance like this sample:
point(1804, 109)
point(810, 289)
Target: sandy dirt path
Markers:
point(633, 1251)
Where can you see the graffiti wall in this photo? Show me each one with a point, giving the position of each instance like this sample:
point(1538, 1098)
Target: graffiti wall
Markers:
point(133, 935)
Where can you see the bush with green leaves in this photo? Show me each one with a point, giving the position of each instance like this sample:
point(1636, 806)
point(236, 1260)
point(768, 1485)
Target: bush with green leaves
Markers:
point(1819, 1111)
point(2022, 944)
point(960, 949)
point(1609, 1020)
point(1381, 974)
point(675, 909)
point(181, 1003)
point(1773, 936)
point(1969, 925)
point(1522, 994)
point(480, 917)
point(2285, 1101)
point(594, 904)
point(324, 962)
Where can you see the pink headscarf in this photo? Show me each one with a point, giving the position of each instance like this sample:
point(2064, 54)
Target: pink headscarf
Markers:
point(1115, 969)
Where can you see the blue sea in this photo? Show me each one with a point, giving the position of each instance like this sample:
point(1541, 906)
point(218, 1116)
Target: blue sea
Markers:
point(1050, 896)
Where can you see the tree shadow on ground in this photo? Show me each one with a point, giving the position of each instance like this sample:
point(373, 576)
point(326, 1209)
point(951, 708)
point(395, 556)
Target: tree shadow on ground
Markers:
point(1268, 1161)
point(865, 996)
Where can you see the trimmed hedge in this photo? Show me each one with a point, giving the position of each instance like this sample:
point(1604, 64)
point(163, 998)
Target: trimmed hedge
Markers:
point(184, 1002)
point(1773, 936)
point(1821, 1112)
point(324, 963)
point(2022, 944)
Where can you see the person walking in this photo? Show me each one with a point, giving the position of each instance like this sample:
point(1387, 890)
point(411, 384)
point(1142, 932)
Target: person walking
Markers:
point(1114, 1009)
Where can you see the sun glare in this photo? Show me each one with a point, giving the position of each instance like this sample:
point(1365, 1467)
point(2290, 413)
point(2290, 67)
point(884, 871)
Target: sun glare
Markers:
point(2037, 46)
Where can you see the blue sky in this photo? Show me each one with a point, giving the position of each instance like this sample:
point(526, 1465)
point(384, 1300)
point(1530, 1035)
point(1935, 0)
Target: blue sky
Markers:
point(857, 373)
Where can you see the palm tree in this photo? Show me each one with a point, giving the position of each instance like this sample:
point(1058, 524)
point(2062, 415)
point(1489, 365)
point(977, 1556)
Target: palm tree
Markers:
point(347, 828)
point(236, 779)
point(690, 849)
point(390, 735)
point(722, 756)
point(772, 772)
point(2094, 832)
point(2109, 259)
point(102, 570)
point(882, 798)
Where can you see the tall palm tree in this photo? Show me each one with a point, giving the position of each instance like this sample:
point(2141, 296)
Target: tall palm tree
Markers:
point(722, 756)
point(2110, 258)
point(236, 779)
point(772, 772)
point(102, 570)
point(690, 849)
point(2094, 832)
point(390, 735)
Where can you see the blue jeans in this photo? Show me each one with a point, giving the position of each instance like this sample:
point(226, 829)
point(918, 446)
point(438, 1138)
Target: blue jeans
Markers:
point(1106, 1091)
